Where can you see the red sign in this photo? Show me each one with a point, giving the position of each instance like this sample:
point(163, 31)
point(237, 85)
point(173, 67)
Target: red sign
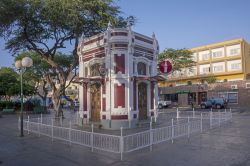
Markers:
point(165, 66)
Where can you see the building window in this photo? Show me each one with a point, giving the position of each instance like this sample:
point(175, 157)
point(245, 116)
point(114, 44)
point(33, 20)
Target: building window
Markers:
point(218, 69)
point(94, 70)
point(194, 57)
point(150, 70)
point(206, 70)
point(235, 51)
point(171, 97)
point(235, 66)
point(205, 57)
point(231, 97)
point(86, 72)
point(141, 68)
point(217, 54)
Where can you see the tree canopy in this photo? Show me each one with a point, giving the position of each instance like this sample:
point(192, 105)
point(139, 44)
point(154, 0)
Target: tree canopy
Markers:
point(181, 58)
point(10, 84)
point(48, 27)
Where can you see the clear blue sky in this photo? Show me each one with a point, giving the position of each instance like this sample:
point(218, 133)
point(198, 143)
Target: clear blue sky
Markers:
point(182, 23)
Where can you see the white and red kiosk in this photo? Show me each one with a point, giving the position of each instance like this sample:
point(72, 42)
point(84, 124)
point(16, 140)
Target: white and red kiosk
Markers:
point(118, 78)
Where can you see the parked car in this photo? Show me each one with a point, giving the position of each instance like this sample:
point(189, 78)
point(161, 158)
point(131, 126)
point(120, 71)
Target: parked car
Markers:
point(162, 104)
point(214, 103)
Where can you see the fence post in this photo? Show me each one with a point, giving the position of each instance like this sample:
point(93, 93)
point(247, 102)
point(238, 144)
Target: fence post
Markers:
point(39, 122)
point(211, 118)
point(231, 115)
point(61, 120)
point(121, 143)
point(18, 125)
point(155, 115)
point(188, 127)
point(151, 136)
point(28, 125)
point(70, 133)
point(225, 115)
point(219, 117)
point(41, 118)
point(201, 122)
point(172, 130)
point(193, 113)
point(52, 130)
point(92, 137)
point(177, 112)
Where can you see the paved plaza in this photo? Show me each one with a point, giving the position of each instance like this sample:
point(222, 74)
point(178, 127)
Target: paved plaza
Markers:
point(227, 145)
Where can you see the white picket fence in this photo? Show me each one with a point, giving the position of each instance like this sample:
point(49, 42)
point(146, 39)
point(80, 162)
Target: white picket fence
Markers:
point(120, 144)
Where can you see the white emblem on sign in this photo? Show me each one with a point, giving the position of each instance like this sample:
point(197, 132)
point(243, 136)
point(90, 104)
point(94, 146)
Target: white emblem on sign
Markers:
point(165, 67)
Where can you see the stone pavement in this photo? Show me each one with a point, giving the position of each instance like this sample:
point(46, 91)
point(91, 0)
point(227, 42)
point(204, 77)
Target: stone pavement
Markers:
point(228, 145)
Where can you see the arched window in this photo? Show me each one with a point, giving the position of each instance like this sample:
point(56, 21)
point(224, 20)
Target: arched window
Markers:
point(141, 68)
point(94, 70)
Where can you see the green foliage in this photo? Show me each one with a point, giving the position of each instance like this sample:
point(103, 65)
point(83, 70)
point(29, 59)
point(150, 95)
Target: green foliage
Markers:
point(189, 83)
point(9, 104)
point(181, 58)
point(39, 23)
point(211, 79)
point(10, 84)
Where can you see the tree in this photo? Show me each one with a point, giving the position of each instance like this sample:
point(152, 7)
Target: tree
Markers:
point(181, 58)
point(10, 84)
point(47, 27)
point(36, 74)
point(211, 79)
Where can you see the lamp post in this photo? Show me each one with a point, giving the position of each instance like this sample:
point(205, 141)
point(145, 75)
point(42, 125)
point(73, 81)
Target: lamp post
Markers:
point(21, 65)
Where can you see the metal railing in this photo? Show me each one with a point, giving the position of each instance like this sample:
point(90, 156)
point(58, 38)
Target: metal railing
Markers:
point(186, 123)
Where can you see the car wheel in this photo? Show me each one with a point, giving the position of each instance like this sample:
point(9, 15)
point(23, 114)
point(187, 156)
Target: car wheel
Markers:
point(203, 106)
point(218, 106)
point(160, 106)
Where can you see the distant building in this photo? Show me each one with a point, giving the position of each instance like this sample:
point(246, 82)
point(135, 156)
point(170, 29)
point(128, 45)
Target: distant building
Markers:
point(226, 63)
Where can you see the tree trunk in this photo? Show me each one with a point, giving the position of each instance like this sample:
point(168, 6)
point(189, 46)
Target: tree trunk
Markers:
point(44, 103)
point(57, 104)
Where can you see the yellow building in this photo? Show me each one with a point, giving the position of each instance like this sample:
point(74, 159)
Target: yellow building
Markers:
point(225, 61)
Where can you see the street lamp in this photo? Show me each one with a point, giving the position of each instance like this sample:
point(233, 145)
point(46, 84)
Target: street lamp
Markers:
point(21, 65)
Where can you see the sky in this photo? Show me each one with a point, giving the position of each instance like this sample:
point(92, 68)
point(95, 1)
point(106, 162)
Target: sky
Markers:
point(181, 23)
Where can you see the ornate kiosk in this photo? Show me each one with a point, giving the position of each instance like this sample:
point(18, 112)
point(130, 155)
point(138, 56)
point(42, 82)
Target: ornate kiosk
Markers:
point(118, 77)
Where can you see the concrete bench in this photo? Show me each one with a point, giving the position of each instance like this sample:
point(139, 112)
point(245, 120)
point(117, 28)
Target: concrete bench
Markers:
point(8, 110)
